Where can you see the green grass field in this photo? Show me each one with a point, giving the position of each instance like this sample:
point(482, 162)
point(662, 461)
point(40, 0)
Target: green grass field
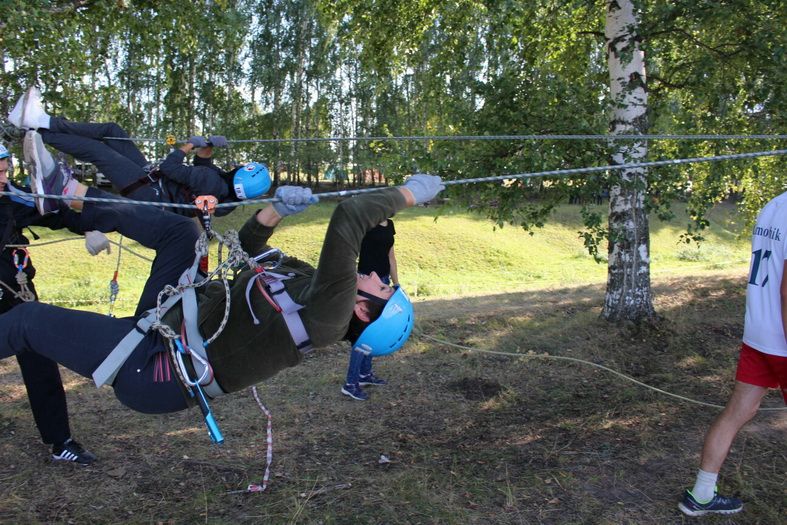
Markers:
point(493, 413)
point(456, 254)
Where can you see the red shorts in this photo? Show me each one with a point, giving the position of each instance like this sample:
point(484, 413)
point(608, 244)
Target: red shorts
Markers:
point(760, 369)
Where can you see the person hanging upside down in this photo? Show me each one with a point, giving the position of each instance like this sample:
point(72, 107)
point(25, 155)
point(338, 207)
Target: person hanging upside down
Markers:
point(128, 169)
point(255, 341)
point(377, 257)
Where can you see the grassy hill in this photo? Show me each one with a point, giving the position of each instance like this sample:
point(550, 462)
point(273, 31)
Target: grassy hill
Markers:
point(456, 254)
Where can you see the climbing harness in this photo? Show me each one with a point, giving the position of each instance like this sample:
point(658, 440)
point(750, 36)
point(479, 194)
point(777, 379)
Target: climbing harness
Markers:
point(151, 177)
point(189, 342)
point(271, 286)
point(188, 347)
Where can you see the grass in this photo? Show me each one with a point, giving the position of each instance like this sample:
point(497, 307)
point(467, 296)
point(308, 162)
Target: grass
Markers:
point(457, 254)
point(471, 437)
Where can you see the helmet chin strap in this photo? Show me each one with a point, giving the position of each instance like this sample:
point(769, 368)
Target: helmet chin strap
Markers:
point(372, 297)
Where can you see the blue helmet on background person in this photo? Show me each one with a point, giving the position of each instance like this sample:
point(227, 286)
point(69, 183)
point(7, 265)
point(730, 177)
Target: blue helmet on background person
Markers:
point(388, 333)
point(4, 154)
point(251, 180)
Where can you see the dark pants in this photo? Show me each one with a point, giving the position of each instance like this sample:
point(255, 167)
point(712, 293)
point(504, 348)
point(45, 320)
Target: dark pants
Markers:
point(42, 379)
point(120, 160)
point(81, 340)
point(360, 363)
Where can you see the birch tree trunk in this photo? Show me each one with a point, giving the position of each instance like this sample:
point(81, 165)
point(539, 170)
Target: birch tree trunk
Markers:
point(628, 294)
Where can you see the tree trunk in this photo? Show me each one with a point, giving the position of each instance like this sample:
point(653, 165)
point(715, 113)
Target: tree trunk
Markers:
point(628, 294)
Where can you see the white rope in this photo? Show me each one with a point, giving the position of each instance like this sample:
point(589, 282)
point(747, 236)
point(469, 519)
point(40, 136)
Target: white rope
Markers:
point(583, 362)
point(470, 138)
point(55, 241)
point(345, 193)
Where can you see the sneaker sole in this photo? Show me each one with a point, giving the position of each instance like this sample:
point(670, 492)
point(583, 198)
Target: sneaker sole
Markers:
point(34, 162)
point(350, 394)
point(372, 384)
point(695, 513)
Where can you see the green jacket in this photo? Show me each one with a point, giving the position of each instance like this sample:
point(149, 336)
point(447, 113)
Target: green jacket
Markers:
point(244, 353)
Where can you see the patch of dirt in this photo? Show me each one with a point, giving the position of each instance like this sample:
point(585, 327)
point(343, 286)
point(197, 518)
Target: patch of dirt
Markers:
point(457, 435)
point(476, 388)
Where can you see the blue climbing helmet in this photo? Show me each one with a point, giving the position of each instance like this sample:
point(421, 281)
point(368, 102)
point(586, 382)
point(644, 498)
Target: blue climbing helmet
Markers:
point(4, 152)
point(251, 180)
point(388, 333)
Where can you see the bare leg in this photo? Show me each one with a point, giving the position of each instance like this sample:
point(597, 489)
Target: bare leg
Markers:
point(741, 407)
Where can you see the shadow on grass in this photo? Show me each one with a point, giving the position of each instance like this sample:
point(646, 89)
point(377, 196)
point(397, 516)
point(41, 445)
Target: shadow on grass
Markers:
point(456, 437)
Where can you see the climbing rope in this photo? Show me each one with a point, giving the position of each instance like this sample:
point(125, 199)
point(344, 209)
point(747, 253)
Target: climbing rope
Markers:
point(469, 138)
point(56, 241)
point(114, 288)
point(25, 294)
point(345, 193)
point(260, 487)
point(582, 362)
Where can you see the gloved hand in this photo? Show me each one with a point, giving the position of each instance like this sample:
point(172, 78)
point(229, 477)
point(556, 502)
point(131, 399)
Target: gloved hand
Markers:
point(424, 187)
point(218, 141)
point(95, 242)
point(293, 199)
point(198, 142)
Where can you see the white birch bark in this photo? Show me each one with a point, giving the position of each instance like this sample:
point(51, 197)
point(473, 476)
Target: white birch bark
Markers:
point(628, 295)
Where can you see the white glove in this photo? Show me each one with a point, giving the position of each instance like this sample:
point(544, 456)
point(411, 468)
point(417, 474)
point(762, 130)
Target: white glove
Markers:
point(293, 199)
point(424, 187)
point(95, 242)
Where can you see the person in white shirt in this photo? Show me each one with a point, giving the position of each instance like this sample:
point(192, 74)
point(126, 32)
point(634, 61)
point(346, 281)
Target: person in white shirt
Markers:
point(763, 359)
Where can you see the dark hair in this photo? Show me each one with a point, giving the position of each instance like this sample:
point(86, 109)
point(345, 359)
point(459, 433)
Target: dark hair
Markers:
point(357, 326)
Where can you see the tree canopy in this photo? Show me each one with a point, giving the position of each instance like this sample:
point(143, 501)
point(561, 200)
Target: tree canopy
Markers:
point(284, 69)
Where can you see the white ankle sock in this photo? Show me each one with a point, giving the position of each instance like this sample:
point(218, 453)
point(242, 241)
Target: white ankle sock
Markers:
point(705, 486)
point(69, 189)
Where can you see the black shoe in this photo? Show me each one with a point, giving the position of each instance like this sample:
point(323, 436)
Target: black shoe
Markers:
point(717, 505)
point(72, 451)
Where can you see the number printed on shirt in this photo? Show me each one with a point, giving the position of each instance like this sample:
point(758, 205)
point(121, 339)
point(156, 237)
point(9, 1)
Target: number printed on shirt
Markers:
point(759, 257)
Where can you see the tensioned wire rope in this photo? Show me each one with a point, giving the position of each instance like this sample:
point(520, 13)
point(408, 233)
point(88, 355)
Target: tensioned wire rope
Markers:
point(555, 173)
point(495, 178)
point(470, 138)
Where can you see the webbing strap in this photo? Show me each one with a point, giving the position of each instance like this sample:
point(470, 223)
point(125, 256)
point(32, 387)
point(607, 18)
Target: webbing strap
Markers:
point(289, 308)
point(108, 369)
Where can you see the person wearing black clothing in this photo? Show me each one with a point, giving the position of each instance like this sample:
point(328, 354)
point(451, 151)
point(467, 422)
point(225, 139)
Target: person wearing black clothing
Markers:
point(376, 257)
point(106, 146)
point(41, 375)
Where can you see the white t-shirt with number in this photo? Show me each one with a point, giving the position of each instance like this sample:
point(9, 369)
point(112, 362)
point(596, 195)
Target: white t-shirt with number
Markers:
point(763, 329)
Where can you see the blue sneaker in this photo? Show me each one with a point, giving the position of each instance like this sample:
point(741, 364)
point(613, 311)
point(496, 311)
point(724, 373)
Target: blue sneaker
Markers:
point(717, 505)
point(371, 380)
point(354, 391)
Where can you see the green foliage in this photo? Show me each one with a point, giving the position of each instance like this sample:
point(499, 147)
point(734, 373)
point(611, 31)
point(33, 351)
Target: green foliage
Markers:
point(317, 68)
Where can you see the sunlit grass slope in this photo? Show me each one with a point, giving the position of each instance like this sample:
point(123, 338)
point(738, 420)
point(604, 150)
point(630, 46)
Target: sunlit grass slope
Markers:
point(441, 253)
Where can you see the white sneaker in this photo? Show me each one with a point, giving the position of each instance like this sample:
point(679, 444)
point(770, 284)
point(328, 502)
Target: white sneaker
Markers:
point(28, 113)
point(43, 179)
